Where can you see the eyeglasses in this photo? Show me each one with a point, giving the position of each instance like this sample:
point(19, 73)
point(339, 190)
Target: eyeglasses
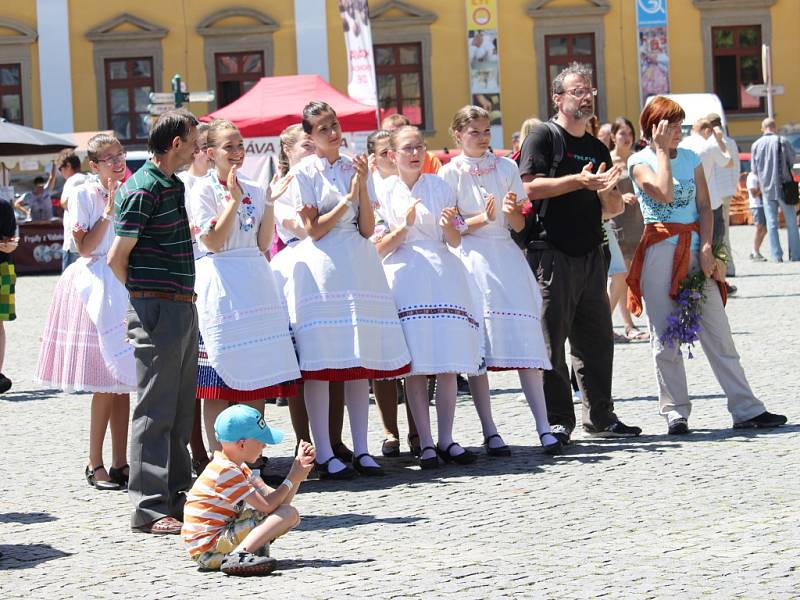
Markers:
point(412, 149)
point(113, 160)
point(580, 92)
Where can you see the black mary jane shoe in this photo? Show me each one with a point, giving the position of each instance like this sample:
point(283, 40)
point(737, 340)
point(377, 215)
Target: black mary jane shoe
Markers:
point(119, 475)
point(324, 471)
point(105, 486)
point(413, 445)
point(465, 458)
point(365, 469)
point(552, 448)
point(343, 453)
point(428, 463)
point(499, 451)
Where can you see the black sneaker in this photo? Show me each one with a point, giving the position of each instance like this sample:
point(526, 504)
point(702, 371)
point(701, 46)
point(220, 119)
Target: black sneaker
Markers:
point(731, 289)
point(462, 385)
point(765, 419)
point(245, 564)
point(679, 426)
point(561, 433)
point(615, 430)
point(5, 384)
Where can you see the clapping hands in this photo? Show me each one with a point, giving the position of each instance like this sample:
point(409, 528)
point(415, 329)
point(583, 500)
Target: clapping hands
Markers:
point(233, 184)
point(278, 186)
point(112, 186)
point(600, 181)
point(306, 455)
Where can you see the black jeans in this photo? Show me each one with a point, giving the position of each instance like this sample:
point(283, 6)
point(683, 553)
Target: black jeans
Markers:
point(575, 308)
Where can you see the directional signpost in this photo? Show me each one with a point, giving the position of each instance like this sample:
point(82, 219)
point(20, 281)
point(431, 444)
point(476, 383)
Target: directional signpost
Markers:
point(161, 102)
point(767, 89)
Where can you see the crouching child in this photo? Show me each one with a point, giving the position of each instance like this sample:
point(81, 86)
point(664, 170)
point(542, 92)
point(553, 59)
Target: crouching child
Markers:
point(231, 515)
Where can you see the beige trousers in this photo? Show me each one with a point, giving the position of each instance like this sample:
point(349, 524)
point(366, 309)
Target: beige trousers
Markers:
point(715, 339)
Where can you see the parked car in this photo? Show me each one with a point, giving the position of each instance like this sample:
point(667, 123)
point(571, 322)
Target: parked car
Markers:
point(135, 159)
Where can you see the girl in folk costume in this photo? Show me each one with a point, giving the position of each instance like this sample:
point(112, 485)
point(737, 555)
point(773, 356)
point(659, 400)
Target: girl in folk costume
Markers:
point(196, 171)
point(343, 317)
point(432, 291)
point(84, 345)
point(490, 198)
point(295, 145)
point(382, 167)
point(246, 352)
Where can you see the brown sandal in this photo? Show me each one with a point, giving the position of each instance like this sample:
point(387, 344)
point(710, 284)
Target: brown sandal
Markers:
point(162, 526)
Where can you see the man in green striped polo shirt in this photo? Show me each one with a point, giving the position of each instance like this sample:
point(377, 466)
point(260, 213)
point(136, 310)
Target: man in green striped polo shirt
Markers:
point(152, 256)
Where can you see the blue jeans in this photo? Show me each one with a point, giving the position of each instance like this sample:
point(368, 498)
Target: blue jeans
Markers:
point(790, 216)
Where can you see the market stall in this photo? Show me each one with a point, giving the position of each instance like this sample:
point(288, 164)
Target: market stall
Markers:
point(274, 103)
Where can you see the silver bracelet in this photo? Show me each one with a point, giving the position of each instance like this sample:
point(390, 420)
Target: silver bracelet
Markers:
point(288, 484)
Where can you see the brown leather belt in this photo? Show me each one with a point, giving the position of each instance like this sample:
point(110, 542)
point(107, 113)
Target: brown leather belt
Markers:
point(166, 296)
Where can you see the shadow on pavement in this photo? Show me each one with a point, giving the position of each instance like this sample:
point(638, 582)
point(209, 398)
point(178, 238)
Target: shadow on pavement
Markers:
point(27, 518)
point(346, 520)
point(27, 556)
point(732, 435)
point(28, 395)
point(748, 297)
point(404, 470)
point(765, 275)
point(288, 565)
point(599, 449)
point(693, 397)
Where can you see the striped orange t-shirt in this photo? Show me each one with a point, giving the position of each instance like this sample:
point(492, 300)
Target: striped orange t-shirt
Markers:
point(216, 498)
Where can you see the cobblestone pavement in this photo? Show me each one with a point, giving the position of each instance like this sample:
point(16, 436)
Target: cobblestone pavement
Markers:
point(713, 514)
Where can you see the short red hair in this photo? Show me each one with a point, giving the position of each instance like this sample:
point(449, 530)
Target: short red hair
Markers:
point(657, 110)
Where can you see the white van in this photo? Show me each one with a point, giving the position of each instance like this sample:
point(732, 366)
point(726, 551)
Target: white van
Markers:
point(697, 106)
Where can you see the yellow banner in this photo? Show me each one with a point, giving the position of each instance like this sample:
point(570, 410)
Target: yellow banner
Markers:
point(481, 14)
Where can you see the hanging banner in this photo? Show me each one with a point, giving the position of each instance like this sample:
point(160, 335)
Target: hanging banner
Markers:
point(651, 18)
point(360, 60)
point(484, 62)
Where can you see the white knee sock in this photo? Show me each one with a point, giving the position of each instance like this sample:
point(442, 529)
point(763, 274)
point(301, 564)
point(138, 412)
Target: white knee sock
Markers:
point(317, 398)
point(532, 382)
point(481, 396)
point(417, 395)
point(446, 393)
point(356, 398)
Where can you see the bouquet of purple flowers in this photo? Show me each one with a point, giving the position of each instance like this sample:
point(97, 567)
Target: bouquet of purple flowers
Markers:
point(685, 321)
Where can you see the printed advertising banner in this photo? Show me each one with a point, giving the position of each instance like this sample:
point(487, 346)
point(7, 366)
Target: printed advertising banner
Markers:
point(651, 17)
point(261, 154)
point(360, 60)
point(484, 65)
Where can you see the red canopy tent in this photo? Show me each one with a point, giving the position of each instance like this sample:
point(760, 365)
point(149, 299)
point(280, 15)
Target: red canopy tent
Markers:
point(274, 103)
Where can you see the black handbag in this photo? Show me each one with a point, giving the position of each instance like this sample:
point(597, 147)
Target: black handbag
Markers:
point(791, 195)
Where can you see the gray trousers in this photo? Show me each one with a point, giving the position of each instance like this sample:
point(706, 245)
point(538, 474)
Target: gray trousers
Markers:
point(715, 339)
point(163, 334)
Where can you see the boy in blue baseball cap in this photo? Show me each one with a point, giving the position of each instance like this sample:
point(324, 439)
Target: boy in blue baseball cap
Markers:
point(231, 515)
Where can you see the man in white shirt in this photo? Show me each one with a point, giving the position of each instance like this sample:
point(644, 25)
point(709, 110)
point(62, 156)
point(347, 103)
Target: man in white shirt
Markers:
point(727, 182)
point(69, 167)
point(706, 141)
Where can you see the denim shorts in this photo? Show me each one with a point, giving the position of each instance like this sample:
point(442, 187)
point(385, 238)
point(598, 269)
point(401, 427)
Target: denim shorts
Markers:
point(759, 218)
point(617, 264)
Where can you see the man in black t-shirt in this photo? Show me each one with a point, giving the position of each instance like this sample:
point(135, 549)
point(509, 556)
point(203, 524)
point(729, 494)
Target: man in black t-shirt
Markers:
point(563, 238)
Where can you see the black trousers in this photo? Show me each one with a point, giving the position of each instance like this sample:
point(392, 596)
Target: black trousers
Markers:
point(575, 308)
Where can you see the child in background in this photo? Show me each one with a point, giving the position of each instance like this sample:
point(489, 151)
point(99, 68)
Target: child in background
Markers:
point(231, 515)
